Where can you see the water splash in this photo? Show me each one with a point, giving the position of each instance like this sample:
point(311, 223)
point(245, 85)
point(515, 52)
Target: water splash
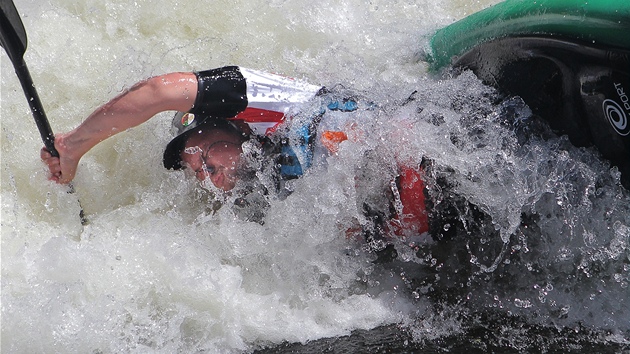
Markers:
point(545, 241)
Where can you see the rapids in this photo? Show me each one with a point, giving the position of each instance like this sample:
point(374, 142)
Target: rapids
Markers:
point(155, 270)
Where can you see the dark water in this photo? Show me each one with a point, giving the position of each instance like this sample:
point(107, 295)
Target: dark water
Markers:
point(486, 338)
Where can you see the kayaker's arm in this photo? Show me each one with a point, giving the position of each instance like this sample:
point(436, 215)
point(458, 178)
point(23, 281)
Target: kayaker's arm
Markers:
point(175, 91)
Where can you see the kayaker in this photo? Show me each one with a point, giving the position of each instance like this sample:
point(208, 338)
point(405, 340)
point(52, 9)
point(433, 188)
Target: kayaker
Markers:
point(224, 109)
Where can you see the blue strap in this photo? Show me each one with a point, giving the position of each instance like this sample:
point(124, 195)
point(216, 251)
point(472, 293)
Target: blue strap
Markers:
point(344, 106)
point(290, 166)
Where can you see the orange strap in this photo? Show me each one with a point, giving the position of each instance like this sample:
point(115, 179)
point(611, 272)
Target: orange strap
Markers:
point(414, 214)
point(411, 189)
point(331, 140)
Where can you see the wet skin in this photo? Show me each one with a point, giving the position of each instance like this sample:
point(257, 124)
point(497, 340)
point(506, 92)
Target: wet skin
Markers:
point(215, 155)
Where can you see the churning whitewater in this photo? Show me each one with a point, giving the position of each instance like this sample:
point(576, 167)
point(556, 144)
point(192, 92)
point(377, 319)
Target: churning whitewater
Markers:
point(158, 269)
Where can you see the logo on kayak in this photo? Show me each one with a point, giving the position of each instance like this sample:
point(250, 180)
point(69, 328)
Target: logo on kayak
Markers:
point(616, 113)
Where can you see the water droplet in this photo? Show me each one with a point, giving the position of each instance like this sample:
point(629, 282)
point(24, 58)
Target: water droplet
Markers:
point(522, 303)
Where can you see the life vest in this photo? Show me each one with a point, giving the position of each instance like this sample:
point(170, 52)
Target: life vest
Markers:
point(271, 101)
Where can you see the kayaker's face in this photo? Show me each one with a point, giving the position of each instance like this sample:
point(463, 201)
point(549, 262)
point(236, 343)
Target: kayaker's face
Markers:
point(214, 155)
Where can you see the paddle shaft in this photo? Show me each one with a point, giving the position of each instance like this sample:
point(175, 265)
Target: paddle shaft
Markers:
point(36, 106)
point(13, 40)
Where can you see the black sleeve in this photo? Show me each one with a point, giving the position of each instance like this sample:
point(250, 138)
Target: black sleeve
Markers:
point(221, 93)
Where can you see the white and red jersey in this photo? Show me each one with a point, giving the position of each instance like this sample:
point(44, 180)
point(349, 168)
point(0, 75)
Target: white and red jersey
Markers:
point(271, 98)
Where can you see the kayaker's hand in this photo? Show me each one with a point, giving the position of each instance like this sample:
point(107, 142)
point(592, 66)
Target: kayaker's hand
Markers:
point(62, 168)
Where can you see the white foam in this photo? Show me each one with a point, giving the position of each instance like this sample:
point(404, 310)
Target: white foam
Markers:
point(156, 270)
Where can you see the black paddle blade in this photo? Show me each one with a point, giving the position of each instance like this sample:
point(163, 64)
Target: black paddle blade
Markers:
point(12, 33)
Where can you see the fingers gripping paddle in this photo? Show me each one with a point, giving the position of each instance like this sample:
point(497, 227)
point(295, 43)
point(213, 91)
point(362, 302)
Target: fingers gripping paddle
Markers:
point(13, 40)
